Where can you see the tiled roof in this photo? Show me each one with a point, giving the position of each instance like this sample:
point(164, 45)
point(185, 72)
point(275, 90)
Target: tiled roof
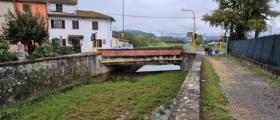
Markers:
point(36, 1)
point(83, 14)
point(63, 1)
point(45, 1)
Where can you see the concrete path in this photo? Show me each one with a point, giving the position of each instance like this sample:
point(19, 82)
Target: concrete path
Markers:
point(250, 97)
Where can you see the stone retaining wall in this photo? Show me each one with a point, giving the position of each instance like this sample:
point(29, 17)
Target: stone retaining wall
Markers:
point(187, 102)
point(22, 81)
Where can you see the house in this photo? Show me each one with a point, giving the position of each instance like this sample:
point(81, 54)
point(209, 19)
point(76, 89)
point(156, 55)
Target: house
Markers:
point(124, 44)
point(38, 7)
point(86, 30)
point(115, 41)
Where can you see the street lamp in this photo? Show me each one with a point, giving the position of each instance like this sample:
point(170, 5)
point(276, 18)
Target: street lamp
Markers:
point(194, 28)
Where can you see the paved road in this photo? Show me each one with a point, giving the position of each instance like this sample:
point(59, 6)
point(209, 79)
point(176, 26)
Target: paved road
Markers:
point(250, 97)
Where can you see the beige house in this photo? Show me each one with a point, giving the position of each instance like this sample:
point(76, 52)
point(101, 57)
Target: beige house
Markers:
point(115, 41)
point(5, 6)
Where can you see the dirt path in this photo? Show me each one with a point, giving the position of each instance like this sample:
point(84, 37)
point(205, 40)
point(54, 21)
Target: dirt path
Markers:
point(250, 97)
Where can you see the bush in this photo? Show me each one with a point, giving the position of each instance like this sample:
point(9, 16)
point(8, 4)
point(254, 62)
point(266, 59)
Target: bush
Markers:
point(43, 51)
point(65, 50)
point(51, 51)
point(5, 55)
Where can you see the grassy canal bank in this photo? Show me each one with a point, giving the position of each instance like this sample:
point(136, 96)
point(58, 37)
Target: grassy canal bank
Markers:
point(107, 101)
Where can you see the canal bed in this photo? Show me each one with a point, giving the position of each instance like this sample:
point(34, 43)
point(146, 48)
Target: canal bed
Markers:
point(122, 94)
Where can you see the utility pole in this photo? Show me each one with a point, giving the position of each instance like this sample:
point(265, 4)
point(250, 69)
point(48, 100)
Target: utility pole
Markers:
point(123, 18)
point(194, 28)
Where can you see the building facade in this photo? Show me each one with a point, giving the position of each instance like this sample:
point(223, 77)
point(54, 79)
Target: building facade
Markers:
point(5, 6)
point(85, 30)
point(36, 7)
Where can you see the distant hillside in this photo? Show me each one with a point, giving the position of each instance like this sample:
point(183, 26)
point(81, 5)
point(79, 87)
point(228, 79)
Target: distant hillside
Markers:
point(137, 33)
point(142, 39)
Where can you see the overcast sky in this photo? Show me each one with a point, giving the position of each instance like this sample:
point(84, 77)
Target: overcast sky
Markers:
point(159, 8)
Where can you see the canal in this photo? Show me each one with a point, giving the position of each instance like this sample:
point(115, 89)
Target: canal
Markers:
point(128, 92)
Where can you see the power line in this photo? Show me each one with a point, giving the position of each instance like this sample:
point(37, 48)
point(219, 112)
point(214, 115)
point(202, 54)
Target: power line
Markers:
point(155, 17)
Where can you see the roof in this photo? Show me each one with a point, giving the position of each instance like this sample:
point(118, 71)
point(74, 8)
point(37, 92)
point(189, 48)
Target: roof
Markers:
point(45, 1)
point(35, 1)
point(63, 1)
point(83, 14)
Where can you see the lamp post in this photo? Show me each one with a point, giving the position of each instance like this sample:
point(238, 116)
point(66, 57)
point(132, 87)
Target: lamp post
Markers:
point(194, 28)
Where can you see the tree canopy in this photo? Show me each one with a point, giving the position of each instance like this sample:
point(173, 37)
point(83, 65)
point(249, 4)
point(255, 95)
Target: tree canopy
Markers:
point(25, 27)
point(240, 17)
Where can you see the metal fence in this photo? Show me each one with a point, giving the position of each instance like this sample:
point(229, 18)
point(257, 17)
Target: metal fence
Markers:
point(264, 49)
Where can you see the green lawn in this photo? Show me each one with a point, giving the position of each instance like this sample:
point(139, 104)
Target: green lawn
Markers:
point(213, 101)
point(107, 101)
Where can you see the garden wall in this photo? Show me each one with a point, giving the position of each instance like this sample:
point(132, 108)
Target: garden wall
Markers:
point(23, 81)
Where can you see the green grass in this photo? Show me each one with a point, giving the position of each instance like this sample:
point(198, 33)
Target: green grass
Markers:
point(271, 79)
point(213, 101)
point(107, 101)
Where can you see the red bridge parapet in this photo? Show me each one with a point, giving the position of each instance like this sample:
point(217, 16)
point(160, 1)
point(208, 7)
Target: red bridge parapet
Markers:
point(140, 52)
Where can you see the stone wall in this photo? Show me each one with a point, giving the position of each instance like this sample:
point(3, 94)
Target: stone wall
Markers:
point(188, 59)
point(187, 102)
point(23, 81)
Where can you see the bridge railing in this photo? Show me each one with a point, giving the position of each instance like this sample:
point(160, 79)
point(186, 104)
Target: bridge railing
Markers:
point(113, 56)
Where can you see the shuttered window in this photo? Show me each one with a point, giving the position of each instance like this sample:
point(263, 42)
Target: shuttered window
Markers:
point(75, 24)
point(58, 24)
point(26, 8)
point(94, 25)
point(59, 8)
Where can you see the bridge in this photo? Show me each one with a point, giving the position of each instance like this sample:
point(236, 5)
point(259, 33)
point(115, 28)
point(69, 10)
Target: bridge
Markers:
point(141, 56)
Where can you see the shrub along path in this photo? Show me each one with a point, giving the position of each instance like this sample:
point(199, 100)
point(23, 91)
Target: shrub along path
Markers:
point(250, 96)
point(107, 101)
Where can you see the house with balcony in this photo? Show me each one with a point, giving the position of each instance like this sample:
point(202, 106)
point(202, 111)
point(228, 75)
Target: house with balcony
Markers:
point(85, 30)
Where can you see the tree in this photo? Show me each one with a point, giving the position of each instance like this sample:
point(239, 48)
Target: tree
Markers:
point(240, 17)
point(25, 27)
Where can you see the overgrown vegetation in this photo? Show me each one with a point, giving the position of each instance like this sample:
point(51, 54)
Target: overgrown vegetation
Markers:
point(108, 101)
point(51, 51)
point(5, 55)
point(213, 101)
point(255, 70)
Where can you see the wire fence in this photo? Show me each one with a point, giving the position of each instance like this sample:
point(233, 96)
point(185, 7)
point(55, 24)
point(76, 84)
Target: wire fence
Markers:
point(264, 49)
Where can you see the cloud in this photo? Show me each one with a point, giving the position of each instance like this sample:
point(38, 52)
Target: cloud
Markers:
point(156, 8)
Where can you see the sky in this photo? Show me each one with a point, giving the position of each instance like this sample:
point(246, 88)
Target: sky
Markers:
point(162, 8)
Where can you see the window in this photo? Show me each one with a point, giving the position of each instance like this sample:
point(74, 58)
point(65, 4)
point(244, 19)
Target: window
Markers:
point(59, 8)
point(26, 8)
point(64, 42)
point(75, 24)
point(95, 25)
point(55, 42)
point(58, 24)
point(98, 43)
point(93, 37)
point(104, 41)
